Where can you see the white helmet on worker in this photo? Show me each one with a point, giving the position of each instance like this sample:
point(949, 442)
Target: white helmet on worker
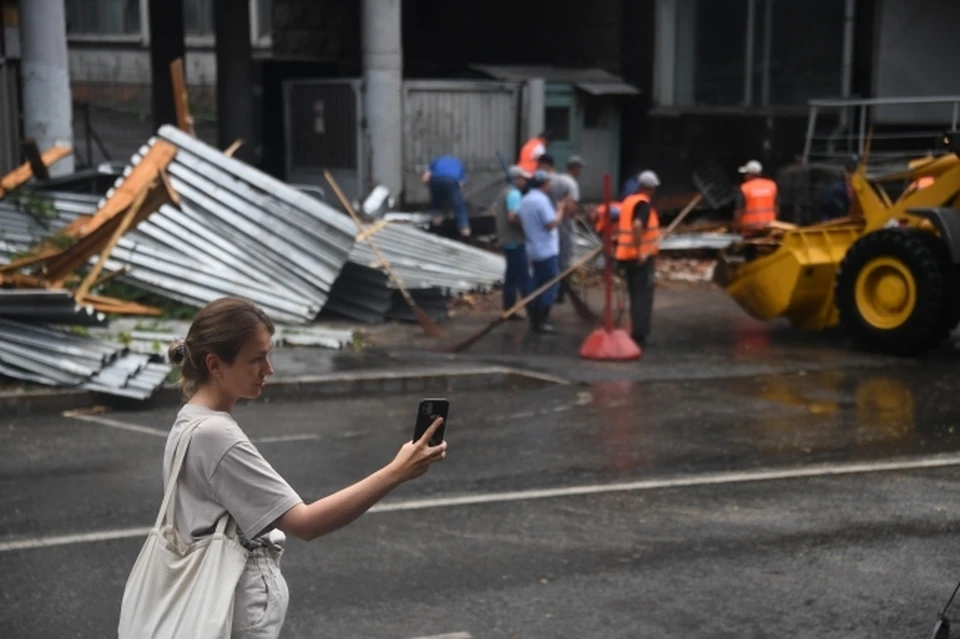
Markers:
point(648, 180)
point(751, 168)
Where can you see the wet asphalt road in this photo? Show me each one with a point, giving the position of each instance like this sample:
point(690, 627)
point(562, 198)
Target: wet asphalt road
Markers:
point(845, 556)
point(716, 399)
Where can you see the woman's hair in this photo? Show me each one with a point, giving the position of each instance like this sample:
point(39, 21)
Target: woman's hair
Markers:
point(221, 328)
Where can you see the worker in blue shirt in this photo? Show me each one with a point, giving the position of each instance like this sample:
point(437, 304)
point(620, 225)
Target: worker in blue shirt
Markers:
point(540, 221)
point(445, 178)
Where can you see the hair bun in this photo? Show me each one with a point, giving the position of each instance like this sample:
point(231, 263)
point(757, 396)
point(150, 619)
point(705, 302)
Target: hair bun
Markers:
point(177, 352)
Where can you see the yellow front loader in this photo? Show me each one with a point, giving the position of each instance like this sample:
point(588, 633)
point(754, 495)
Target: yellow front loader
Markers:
point(888, 273)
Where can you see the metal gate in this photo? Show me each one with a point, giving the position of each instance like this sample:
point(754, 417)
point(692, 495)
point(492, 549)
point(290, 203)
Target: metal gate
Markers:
point(470, 119)
point(323, 130)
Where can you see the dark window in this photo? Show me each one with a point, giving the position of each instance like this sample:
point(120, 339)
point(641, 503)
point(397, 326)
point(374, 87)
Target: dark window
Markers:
point(557, 121)
point(103, 17)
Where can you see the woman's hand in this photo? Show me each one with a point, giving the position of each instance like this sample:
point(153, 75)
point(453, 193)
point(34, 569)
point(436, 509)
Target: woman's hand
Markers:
point(416, 457)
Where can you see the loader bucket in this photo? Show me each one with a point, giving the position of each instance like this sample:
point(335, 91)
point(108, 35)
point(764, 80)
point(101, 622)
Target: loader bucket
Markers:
point(795, 281)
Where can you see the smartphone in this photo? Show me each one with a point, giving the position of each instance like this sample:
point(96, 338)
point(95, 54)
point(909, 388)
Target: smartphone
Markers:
point(428, 411)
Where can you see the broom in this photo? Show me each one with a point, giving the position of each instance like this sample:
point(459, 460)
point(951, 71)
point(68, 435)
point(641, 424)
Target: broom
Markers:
point(429, 326)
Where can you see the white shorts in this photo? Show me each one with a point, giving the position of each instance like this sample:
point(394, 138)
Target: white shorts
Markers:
point(261, 600)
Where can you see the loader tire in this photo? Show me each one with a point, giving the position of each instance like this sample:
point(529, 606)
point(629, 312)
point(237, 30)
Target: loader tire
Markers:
point(892, 292)
point(950, 316)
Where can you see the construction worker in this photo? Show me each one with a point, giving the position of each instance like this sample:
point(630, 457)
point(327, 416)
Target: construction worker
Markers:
point(531, 151)
point(638, 243)
point(757, 201)
point(510, 238)
point(445, 178)
point(601, 216)
point(540, 221)
point(565, 193)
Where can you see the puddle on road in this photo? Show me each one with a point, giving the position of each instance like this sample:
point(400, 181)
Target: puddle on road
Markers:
point(813, 416)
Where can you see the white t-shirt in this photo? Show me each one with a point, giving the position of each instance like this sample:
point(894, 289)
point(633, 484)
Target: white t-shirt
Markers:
point(223, 472)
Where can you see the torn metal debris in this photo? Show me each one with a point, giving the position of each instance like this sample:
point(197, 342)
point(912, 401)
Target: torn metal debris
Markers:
point(50, 357)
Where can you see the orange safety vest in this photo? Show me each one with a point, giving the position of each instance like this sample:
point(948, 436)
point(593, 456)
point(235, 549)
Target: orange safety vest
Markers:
point(600, 223)
point(627, 249)
point(920, 183)
point(759, 203)
point(527, 162)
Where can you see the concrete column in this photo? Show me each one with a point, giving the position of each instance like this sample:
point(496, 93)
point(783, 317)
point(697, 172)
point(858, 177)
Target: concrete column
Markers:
point(383, 83)
point(166, 45)
point(47, 106)
point(535, 103)
point(234, 76)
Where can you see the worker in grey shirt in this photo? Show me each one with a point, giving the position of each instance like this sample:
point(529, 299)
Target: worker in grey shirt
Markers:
point(510, 238)
point(224, 359)
point(565, 193)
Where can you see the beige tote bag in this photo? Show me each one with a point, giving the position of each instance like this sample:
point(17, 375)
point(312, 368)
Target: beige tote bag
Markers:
point(182, 590)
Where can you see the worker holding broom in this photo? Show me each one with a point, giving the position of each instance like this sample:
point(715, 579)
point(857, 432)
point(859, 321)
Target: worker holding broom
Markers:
point(638, 243)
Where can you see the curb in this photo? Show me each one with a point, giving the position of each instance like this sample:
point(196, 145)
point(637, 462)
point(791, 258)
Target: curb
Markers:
point(353, 384)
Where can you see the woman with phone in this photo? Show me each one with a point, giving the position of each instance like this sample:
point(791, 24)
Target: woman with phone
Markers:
point(225, 357)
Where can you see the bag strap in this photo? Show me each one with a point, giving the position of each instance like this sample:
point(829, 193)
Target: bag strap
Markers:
point(183, 441)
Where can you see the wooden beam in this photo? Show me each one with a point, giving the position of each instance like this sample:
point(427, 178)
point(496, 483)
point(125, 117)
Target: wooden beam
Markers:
point(181, 99)
point(371, 230)
point(230, 150)
point(22, 174)
point(119, 232)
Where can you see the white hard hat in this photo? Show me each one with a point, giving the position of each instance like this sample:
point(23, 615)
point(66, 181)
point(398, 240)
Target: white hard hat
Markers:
point(648, 179)
point(753, 167)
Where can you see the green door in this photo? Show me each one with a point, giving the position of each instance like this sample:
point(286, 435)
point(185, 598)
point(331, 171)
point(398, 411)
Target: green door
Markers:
point(561, 119)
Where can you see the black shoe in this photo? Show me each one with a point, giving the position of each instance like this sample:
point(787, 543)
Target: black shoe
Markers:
point(546, 327)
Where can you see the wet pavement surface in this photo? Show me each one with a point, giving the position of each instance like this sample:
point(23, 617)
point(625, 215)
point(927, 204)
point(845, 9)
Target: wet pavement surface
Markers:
point(716, 396)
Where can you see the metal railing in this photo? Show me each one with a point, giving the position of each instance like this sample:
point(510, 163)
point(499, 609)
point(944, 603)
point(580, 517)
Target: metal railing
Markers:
point(851, 120)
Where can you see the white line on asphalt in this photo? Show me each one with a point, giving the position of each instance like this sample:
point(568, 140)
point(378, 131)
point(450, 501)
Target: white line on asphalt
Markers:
point(81, 538)
point(113, 423)
point(156, 432)
point(449, 635)
point(707, 479)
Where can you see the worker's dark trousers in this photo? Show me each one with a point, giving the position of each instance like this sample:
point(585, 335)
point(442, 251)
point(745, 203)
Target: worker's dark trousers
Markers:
point(640, 283)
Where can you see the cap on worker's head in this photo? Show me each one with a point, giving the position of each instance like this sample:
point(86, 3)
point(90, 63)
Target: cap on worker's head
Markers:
point(648, 180)
point(539, 178)
point(751, 168)
point(546, 159)
point(516, 171)
point(574, 161)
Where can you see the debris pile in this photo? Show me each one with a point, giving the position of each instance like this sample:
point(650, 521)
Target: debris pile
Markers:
point(46, 356)
point(186, 222)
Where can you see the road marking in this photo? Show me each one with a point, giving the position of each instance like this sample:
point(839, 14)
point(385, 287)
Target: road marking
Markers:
point(708, 479)
point(114, 423)
point(156, 432)
point(80, 538)
point(449, 635)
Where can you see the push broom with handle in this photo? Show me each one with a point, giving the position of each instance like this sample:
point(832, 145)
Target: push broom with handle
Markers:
point(476, 337)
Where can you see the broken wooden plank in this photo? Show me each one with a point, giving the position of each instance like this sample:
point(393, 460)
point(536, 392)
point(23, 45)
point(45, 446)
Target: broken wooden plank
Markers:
point(181, 98)
point(371, 230)
point(22, 174)
point(121, 307)
point(233, 148)
point(119, 232)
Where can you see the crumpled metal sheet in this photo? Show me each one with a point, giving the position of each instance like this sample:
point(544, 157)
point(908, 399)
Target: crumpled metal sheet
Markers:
point(43, 355)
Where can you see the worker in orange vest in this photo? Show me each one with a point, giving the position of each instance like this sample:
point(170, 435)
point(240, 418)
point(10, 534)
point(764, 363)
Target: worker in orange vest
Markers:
point(638, 243)
point(600, 217)
point(531, 151)
point(757, 201)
